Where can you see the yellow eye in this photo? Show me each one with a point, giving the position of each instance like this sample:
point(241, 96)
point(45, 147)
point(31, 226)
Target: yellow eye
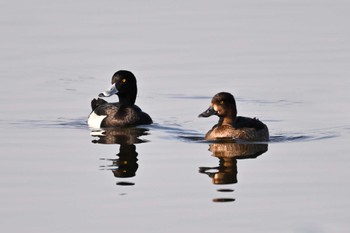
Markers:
point(123, 80)
point(221, 102)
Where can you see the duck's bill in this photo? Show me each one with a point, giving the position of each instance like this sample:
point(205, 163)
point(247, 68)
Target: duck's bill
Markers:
point(111, 91)
point(207, 113)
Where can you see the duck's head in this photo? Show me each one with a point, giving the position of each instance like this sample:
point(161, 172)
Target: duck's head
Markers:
point(223, 104)
point(123, 85)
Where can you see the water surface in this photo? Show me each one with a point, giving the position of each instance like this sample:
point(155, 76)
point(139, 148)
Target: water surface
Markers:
point(286, 63)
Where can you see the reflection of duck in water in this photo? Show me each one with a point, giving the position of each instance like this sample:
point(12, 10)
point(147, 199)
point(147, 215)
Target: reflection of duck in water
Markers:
point(230, 125)
point(125, 165)
point(121, 114)
point(122, 136)
point(228, 153)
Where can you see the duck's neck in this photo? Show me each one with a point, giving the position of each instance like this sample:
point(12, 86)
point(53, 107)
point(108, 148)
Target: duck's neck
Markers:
point(227, 120)
point(127, 100)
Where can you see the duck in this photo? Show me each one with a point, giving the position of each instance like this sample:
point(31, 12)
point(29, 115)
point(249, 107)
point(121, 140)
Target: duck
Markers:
point(231, 126)
point(120, 114)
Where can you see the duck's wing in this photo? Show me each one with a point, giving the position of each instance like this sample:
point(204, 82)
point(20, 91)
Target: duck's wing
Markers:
point(109, 109)
point(247, 122)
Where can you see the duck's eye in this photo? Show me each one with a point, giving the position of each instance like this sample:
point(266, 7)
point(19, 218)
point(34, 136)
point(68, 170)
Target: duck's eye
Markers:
point(123, 80)
point(221, 102)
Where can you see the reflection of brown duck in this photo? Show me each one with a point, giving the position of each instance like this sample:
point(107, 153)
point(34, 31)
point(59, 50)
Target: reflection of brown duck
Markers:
point(122, 136)
point(228, 153)
point(237, 150)
point(225, 173)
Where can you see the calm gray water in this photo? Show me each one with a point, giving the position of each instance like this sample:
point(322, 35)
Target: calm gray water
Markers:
point(287, 63)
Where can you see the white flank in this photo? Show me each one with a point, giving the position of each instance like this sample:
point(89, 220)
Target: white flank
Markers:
point(95, 120)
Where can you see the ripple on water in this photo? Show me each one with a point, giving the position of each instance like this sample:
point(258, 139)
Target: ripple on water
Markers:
point(311, 135)
point(176, 131)
point(288, 137)
point(79, 123)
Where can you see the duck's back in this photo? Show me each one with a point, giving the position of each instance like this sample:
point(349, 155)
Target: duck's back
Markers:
point(115, 115)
